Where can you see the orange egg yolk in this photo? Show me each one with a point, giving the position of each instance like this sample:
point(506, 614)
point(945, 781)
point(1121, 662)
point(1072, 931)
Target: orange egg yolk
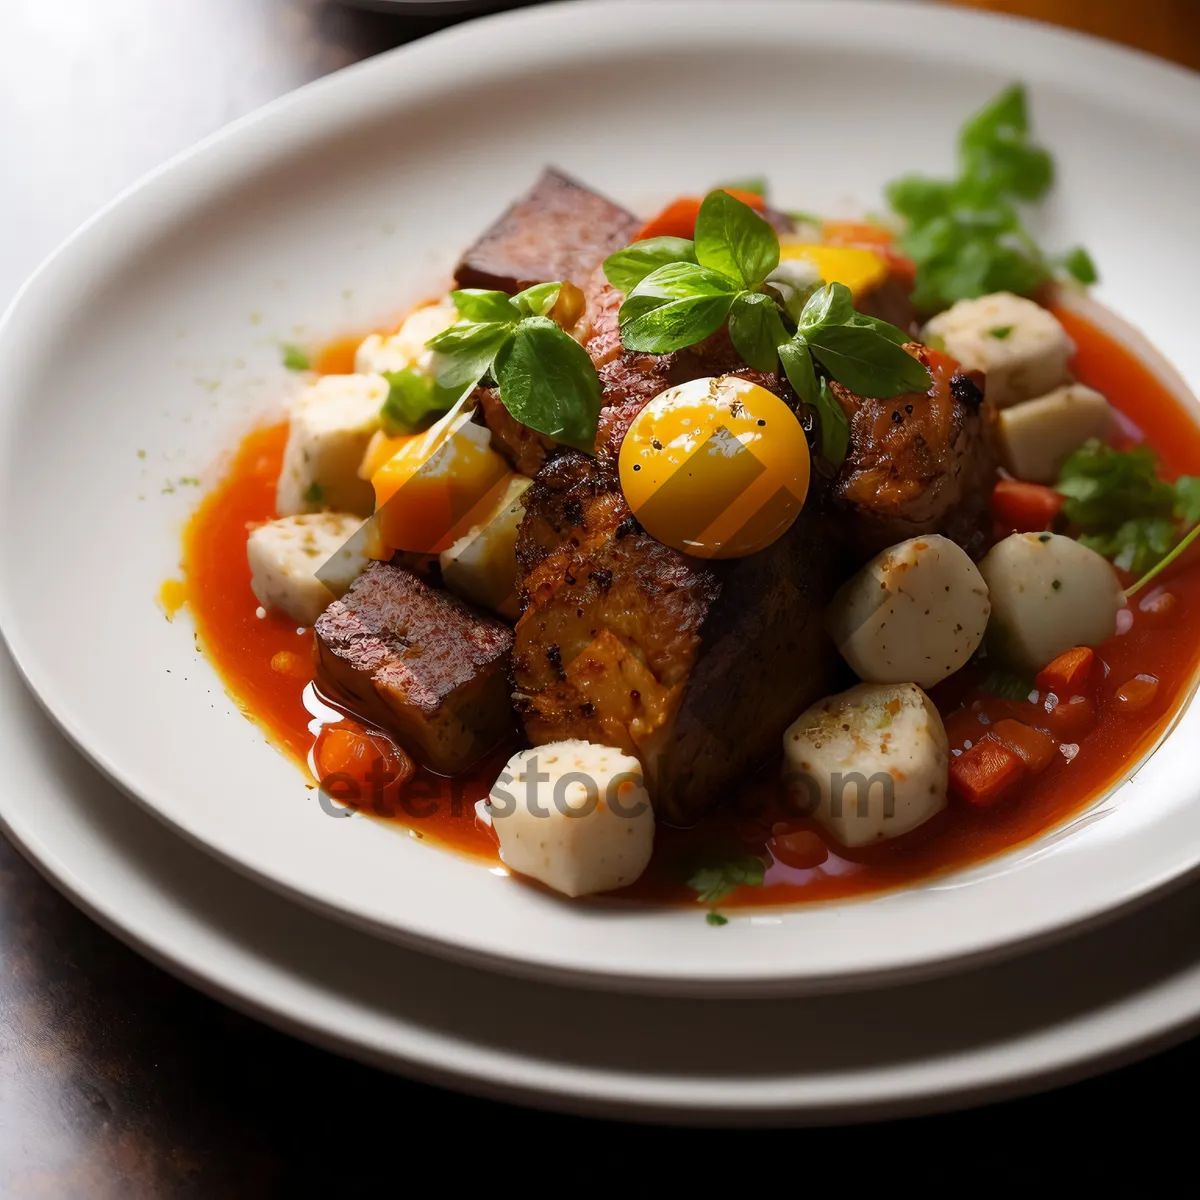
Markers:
point(716, 468)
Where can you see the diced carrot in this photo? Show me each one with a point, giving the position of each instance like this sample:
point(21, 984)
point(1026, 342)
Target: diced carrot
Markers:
point(1137, 693)
point(1025, 507)
point(1072, 673)
point(1031, 746)
point(800, 848)
point(983, 774)
point(678, 219)
point(1072, 719)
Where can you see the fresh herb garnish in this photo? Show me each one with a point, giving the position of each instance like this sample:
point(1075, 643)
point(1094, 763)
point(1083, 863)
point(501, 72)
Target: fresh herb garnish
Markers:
point(966, 235)
point(545, 378)
point(715, 918)
point(1123, 510)
point(716, 882)
point(295, 358)
point(721, 277)
point(1001, 332)
point(314, 494)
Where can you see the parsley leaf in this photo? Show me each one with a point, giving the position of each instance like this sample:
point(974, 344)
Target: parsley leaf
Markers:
point(314, 494)
point(627, 268)
point(295, 358)
point(965, 234)
point(716, 882)
point(1123, 510)
point(715, 918)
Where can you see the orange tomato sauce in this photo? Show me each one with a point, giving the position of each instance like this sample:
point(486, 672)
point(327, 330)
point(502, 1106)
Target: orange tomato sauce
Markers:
point(267, 666)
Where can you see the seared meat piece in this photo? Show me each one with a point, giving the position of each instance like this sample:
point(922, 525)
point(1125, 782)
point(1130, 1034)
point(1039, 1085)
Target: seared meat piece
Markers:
point(919, 463)
point(524, 448)
point(891, 301)
point(559, 231)
point(420, 662)
point(695, 667)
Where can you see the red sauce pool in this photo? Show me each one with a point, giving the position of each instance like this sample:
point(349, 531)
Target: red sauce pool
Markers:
point(266, 664)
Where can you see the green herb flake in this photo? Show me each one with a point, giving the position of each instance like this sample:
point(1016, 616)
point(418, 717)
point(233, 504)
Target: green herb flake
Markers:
point(715, 918)
point(1056, 585)
point(295, 358)
point(314, 493)
point(966, 234)
point(1001, 332)
point(714, 883)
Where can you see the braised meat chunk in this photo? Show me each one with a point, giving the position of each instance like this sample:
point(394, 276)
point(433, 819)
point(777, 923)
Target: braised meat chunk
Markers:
point(694, 667)
point(560, 231)
point(420, 662)
point(919, 463)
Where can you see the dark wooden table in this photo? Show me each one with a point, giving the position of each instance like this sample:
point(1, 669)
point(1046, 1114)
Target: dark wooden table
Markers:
point(118, 1081)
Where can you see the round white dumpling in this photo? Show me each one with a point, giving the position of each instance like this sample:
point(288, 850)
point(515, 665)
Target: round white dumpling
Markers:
point(573, 815)
point(914, 614)
point(1049, 593)
point(869, 763)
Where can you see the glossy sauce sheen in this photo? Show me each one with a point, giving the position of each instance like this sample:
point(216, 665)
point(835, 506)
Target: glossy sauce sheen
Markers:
point(267, 666)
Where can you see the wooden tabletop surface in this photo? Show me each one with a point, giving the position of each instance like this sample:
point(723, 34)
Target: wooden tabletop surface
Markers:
point(118, 1081)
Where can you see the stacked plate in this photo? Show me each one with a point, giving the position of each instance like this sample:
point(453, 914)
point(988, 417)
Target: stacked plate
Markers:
point(150, 341)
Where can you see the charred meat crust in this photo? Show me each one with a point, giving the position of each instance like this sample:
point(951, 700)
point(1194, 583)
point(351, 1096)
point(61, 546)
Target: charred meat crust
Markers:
point(919, 463)
point(421, 663)
point(694, 667)
point(560, 230)
point(524, 448)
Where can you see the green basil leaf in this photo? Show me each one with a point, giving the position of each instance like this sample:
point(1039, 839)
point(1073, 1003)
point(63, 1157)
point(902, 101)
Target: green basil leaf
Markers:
point(1078, 263)
point(896, 336)
point(831, 305)
point(799, 369)
point(464, 353)
point(480, 306)
point(413, 398)
point(676, 306)
point(835, 426)
point(756, 330)
point(548, 382)
point(537, 301)
point(627, 268)
point(733, 240)
point(866, 362)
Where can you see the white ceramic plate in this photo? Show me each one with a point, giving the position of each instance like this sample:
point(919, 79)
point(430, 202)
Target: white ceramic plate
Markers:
point(1096, 1000)
point(154, 330)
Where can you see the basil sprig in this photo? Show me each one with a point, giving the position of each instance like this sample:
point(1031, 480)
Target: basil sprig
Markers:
point(679, 292)
point(545, 377)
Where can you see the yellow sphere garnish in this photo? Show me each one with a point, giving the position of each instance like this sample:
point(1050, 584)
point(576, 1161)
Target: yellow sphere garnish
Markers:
point(717, 468)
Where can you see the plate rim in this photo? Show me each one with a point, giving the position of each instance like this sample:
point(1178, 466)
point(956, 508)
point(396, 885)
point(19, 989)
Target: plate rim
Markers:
point(270, 116)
